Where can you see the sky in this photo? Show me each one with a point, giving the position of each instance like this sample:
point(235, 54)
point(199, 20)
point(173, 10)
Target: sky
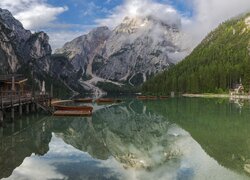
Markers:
point(64, 20)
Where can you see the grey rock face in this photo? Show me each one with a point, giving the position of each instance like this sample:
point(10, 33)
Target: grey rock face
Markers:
point(81, 50)
point(21, 52)
point(19, 47)
point(17, 33)
point(38, 49)
point(8, 58)
point(135, 50)
point(139, 48)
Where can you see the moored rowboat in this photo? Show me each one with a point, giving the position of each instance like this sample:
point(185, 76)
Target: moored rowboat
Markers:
point(107, 100)
point(74, 108)
point(84, 100)
point(59, 101)
point(152, 97)
point(163, 97)
point(141, 97)
point(72, 113)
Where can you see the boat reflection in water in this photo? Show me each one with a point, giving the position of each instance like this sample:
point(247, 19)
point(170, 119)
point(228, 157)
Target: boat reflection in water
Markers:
point(133, 140)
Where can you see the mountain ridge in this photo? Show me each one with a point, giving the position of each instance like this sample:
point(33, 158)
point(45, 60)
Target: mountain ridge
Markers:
point(29, 54)
point(129, 54)
point(221, 61)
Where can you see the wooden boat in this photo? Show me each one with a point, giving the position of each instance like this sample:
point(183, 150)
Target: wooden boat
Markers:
point(141, 97)
point(163, 97)
point(84, 100)
point(108, 100)
point(74, 108)
point(105, 100)
point(72, 113)
point(152, 97)
point(59, 101)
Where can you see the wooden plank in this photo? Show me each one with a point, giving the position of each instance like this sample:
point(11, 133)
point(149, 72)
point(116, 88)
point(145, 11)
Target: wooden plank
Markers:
point(18, 82)
point(152, 97)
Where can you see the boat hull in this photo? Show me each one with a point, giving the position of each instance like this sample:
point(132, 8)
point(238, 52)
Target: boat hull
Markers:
point(108, 100)
point(83, 100)
point(72, 113)
point(74, 108)
point(141, 97)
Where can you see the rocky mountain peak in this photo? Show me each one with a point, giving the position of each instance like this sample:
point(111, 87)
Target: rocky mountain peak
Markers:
point(16, 27)
point(135, 50)
point(10, 22)
point(99, 32)
point(82, 49)
point(131, 25)
point(20, 48)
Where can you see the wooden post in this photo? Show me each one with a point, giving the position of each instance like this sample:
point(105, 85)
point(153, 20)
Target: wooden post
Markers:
point(1, 131)
point(12, 113)
point(27, 108)
point(33, 107)
point(1, 138)
point(13, 83)
point(12, 127)
point(20, 124)
point(27, 120)
point(1, 117)
point(20, 105)
point(20, 109)
point(1, 111)
point(12, 93)
point(51, 91)
point(1, 100)
point(51, 95)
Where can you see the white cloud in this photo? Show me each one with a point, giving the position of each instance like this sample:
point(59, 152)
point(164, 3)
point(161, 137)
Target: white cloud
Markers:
point(33, 14)
point(140, 8)
point(35, 168)
point(37, 14)
point(207, 14)
point(58, 38)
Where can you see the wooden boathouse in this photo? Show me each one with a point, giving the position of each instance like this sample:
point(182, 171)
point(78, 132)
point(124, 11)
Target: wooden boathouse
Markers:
point(16, 96)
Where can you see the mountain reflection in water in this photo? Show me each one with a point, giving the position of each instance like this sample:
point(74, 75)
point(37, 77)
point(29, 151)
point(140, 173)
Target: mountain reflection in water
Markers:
point(133, 140)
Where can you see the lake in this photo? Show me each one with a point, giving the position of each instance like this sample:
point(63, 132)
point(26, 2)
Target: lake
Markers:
point(172, 139)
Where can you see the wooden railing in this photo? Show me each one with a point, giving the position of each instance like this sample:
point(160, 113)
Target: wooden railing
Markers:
point(10, 98)
point(3, 77)
point(15, 94)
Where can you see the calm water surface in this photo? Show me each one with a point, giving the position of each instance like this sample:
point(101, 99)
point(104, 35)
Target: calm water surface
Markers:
point(173, 139)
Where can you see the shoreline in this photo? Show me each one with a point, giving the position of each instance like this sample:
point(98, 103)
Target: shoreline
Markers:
point(218, 96)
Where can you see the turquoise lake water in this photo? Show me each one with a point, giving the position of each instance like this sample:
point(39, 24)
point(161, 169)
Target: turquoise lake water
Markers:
point(173, 139)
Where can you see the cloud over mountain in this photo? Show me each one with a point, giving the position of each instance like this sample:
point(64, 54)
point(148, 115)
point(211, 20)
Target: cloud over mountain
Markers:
point(208, 14)
point(33, 14)
point(197, 17)
point(205, 15)
point(141, 8)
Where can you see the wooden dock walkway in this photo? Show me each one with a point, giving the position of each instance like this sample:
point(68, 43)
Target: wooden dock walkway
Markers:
point(18, 102)
point(16, 95)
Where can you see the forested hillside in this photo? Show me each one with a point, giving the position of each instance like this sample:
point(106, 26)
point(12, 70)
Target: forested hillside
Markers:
point(215, 66)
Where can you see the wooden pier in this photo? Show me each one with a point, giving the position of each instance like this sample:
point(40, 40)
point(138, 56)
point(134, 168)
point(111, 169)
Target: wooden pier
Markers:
point(15, 98)
point(19, 103)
